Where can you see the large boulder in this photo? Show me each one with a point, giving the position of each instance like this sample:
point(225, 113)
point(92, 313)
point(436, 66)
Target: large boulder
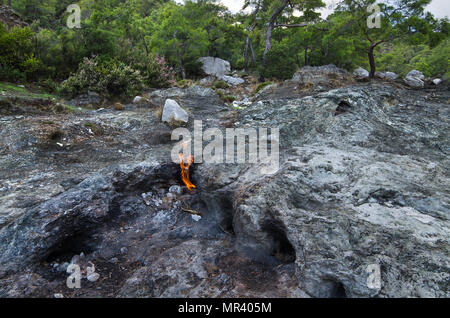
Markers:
point(414, 82)
point(215, 66)
point(319, 74)
point(361, 73)
point(416, 74)
point(173, 112)
point(234, 81)
point(386, 75)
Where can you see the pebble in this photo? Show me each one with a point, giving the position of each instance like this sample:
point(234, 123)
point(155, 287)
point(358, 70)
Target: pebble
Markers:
point(58, 295)
point(175, 189)
point(93, 277)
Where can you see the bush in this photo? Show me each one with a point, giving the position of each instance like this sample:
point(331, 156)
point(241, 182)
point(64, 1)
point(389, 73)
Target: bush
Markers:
point(17, 61)
point(109, 79)
point(118, 79)
point(156, 72)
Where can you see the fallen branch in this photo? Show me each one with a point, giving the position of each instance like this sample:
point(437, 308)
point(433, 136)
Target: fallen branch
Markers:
point(191, 211)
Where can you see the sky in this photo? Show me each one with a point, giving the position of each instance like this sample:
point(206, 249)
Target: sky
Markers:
point(439, 8)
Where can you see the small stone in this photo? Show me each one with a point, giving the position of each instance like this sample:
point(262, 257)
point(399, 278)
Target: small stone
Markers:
point(175, 189)
point(137, 99)
point(93, 277)
point(63, 267)
point(123, 250)
point(119, 106)
point(196, 218)
point(437, 81)
point(147, 198)
point(58, 296)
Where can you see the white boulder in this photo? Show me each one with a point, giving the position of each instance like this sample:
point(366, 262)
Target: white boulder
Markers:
point(437, 81)
point(172, 111)
point(416, 74)
point(215, 66)
point(414, 82)
point(234, 81)
point(360, 72)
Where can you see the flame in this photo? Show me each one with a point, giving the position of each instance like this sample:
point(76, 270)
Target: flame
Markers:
point(185, 171)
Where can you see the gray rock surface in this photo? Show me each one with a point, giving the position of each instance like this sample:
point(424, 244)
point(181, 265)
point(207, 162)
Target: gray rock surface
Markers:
point(363, 182)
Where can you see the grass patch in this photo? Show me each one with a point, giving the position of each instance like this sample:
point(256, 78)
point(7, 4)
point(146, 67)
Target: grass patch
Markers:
point(184, 83)
point(220, 85)
point(15, 90)
point(226, 98)
point(95, 128)
point(261, 86)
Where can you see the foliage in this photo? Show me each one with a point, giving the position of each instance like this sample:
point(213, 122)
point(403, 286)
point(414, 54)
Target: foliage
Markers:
point(17, 59)
point(156, 42)
point(109, 78)
point(280, 64)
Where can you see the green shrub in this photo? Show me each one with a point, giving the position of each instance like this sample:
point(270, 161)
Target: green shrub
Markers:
point(108, 79)
point(17, 59)
point(118, 79)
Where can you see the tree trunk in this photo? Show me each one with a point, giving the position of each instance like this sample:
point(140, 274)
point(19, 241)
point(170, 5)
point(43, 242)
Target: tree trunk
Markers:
point(253, 53)
point(372, 61)
point(306, 55)
point(270, 28)
point(9, 2)
point(182, 70)
point(325, 61)
point(247, 43)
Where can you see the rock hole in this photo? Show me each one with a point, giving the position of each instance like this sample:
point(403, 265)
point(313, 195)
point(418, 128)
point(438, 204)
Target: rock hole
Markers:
point(65, 250)
point(282, 249)
point(343, 107)
point(333, 289)
point(227, 215)
point(56, 135)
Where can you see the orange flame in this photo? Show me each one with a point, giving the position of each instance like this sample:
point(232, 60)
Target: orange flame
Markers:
point(185, 171)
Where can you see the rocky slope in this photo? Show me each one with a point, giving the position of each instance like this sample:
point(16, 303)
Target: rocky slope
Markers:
point(363, 181)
